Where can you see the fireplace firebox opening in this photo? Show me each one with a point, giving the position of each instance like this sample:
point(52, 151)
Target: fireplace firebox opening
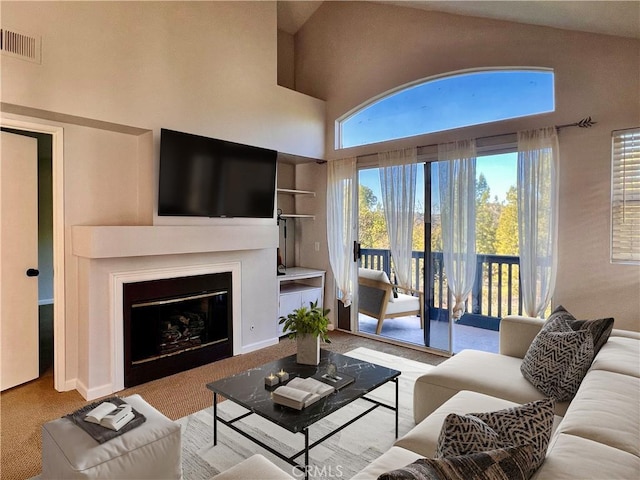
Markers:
point(176, 324)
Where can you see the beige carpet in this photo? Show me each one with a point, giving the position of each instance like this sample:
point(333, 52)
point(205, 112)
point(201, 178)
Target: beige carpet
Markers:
point(25, 408)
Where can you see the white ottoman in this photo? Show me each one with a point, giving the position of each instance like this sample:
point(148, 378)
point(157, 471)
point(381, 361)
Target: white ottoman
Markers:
point(150, 451)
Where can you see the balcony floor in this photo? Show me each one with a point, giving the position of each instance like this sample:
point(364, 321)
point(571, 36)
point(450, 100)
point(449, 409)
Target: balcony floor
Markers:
point(407, 329)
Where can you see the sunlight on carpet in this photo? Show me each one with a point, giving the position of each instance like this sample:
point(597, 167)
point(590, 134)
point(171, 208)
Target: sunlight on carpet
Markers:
point(346, 452)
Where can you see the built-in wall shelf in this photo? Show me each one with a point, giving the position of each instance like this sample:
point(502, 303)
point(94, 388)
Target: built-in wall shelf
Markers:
point(288, 191)
point(298, 287)
point(296, 215)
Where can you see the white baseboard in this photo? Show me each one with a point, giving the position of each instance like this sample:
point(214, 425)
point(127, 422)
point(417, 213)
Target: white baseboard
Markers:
point(69, 385)
point(259, 345)
point(93, 393)
point(45, 301)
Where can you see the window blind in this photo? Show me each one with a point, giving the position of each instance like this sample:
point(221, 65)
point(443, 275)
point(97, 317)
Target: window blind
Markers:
point(625, 196)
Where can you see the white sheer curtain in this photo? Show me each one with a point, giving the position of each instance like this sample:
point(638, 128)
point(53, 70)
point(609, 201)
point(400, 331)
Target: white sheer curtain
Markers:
point(537, 217)
point(342, 184)
point(398, 173)
point(457, 187)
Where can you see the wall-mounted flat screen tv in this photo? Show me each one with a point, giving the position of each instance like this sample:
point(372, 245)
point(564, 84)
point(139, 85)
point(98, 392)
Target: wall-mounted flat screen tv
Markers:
point(207, 177)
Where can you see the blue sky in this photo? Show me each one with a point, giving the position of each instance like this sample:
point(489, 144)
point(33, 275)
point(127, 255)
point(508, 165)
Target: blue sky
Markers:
point(451, 102)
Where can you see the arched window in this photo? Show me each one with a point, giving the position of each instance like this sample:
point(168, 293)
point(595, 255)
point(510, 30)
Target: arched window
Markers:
point(446, 102)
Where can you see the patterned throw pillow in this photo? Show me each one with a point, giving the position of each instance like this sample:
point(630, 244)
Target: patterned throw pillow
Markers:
point(556, 362)
point(465, 434)
point(600, 329)
point(512, 463)
point(528, 424)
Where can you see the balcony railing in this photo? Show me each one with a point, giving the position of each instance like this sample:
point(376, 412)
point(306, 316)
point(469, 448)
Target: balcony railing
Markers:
point(495, 293)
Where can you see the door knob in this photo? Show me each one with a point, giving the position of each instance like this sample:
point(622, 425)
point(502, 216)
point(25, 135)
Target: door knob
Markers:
point(33, 272)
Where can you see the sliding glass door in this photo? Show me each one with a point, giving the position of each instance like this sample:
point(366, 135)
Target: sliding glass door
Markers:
point(496, 288)
point(403, 318)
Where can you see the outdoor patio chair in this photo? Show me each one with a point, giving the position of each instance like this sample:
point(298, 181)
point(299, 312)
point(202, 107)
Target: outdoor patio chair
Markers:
point(380, 299)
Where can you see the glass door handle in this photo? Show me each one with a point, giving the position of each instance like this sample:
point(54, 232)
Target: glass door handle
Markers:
point(356, 251)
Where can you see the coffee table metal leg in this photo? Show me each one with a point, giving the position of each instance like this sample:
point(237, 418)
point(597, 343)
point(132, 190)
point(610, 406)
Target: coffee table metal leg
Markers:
point(397, 408)
point(306, 454)
point(215, 419)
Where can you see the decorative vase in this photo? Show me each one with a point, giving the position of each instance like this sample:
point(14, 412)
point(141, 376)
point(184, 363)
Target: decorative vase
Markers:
point(308, 349)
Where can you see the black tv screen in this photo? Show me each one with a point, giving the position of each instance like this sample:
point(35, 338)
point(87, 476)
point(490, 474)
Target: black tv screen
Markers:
point(207, 177)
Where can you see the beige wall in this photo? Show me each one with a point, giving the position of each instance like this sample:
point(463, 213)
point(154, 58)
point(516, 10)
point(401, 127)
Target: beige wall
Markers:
point(350, 52)
point(286, 56)
point(208, 68)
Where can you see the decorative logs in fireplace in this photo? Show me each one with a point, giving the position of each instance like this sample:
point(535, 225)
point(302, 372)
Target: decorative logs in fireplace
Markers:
point(175, 324)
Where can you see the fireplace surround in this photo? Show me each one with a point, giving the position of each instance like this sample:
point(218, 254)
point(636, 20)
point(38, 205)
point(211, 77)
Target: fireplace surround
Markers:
point(175, 324)
point(108, 257)
point(120, 280)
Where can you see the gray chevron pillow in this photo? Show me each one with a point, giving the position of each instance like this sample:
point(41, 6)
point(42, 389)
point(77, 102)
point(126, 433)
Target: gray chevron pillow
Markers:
point(512, 463)
point(528, 424)
point(465, 434)
point(600, 329)
point(557, 361)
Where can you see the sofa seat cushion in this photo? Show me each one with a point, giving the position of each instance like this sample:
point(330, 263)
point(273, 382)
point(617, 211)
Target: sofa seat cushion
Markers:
point(392, 459)
point(483, 372)
point(403, 303)
point(423, 438)
point(256, 466)
point(619, 354)
point(572, 458)
point(606, 410)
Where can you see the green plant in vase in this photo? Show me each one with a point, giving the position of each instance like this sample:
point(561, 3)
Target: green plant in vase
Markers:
point(308, 325)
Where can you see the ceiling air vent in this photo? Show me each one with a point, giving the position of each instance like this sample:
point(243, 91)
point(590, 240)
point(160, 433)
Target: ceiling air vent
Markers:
point(19, 45)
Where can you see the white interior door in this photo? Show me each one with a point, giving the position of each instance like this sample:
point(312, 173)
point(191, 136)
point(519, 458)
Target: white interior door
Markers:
point(18, 253)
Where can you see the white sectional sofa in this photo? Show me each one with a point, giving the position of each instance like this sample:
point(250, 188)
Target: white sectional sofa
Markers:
point(595, 436)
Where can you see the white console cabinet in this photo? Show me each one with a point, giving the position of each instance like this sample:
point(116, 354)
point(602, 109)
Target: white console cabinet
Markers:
point(298, 287)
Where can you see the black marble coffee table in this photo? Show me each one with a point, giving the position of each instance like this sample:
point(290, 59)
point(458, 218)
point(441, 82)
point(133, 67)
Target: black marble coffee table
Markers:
point(248, 390)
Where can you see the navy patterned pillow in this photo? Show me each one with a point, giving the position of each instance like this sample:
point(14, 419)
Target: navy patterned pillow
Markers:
point(557, 361)
point(512, 463)
point(465, 434)
point(600, 329)
point(528, 424)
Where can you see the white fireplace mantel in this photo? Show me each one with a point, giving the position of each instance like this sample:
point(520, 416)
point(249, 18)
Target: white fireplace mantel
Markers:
point(134, 241)
point(109, 256)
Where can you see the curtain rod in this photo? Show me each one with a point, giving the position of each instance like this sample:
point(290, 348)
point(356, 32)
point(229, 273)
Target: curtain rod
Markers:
point(584, 123)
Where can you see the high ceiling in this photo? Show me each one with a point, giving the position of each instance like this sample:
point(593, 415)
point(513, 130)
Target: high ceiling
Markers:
point(620, 18)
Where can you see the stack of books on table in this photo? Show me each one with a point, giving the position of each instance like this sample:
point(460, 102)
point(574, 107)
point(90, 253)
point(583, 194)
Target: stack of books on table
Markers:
point(111, 416)
point(299, 392)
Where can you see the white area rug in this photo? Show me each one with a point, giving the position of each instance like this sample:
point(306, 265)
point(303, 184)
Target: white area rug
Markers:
point(341, 456)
